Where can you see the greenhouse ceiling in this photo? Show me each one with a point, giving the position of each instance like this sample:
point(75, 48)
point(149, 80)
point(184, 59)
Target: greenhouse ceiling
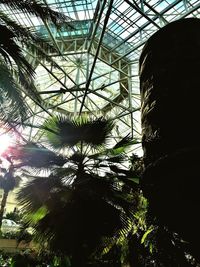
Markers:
point(98, 58)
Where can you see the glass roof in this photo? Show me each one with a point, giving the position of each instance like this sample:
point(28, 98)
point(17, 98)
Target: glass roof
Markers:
point(98, 58)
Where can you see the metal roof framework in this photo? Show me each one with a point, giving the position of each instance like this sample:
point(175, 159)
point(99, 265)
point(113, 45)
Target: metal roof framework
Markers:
point(98, 59)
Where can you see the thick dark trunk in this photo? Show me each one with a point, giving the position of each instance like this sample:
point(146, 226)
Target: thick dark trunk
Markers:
point(3, 204)
point(79, 259)
point(170, 92)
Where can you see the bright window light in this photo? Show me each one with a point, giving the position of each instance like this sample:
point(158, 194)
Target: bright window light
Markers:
point(5, 142)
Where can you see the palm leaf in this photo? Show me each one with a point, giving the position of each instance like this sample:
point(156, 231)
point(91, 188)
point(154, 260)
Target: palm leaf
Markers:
point(20, 31)
point(125, 141)
point(77, 158)
point(91, 203)
point(69, 132)
point(121, 146)
point(67, 175)
point(43, 191)
point(117, 159)
point(7, 182)
point(11, 99)
point(63, 172)
point(23, 72)
point(118, 151)
point(13, 50)
point(91, 213)
point(34, 42)
point(35, 156)
point(96, 132)
point(38, 9)
point(35, 193)
point(129, 177)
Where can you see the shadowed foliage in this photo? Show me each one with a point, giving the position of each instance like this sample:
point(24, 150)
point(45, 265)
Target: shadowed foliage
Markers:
point(8, 181)
point(88, 203)
point(16, 73)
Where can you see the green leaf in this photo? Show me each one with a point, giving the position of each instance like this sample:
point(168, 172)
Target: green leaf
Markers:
point(151, 248)
point(146, 234)
point(37, 216)
point(118, 150)
point(135, 180)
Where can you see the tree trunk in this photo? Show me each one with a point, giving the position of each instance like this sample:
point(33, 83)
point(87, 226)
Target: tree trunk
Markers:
point(170, 93)
point(3, 204)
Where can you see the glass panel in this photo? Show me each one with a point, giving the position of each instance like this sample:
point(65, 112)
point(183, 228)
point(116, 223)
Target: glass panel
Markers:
point(98, 65)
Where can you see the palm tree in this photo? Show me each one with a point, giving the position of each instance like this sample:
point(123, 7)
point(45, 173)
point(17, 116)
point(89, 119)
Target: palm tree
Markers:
point(87, 201)
point(16, 73)
point(8, 181)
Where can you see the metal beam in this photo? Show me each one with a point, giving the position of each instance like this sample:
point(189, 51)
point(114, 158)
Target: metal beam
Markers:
point(98, 48)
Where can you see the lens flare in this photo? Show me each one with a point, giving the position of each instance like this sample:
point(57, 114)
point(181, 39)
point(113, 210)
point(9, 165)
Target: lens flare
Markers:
point(5, 142)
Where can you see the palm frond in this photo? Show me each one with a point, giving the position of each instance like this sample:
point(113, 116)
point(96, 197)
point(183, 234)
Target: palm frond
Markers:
point(70, 132)
point(78, 158)
point(63, 172)
point(7, 182)
point(118, 151)
point(122, 146)
point(125, 141)
point(13, 105)
point(39, 9)
point(34, 155)
point(41, 49)
point(27, 86)
point(129, 177)
point(13, 50)
point(67, 175)
point(36, 192)
point(23, 72)
point(34, 42)
point(97, 131)
point(95, 214)
point(5, 56)
point(117, 159)
point(19, 31)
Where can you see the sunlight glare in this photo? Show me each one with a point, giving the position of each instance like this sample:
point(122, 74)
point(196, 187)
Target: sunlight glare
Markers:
point(5, 142)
